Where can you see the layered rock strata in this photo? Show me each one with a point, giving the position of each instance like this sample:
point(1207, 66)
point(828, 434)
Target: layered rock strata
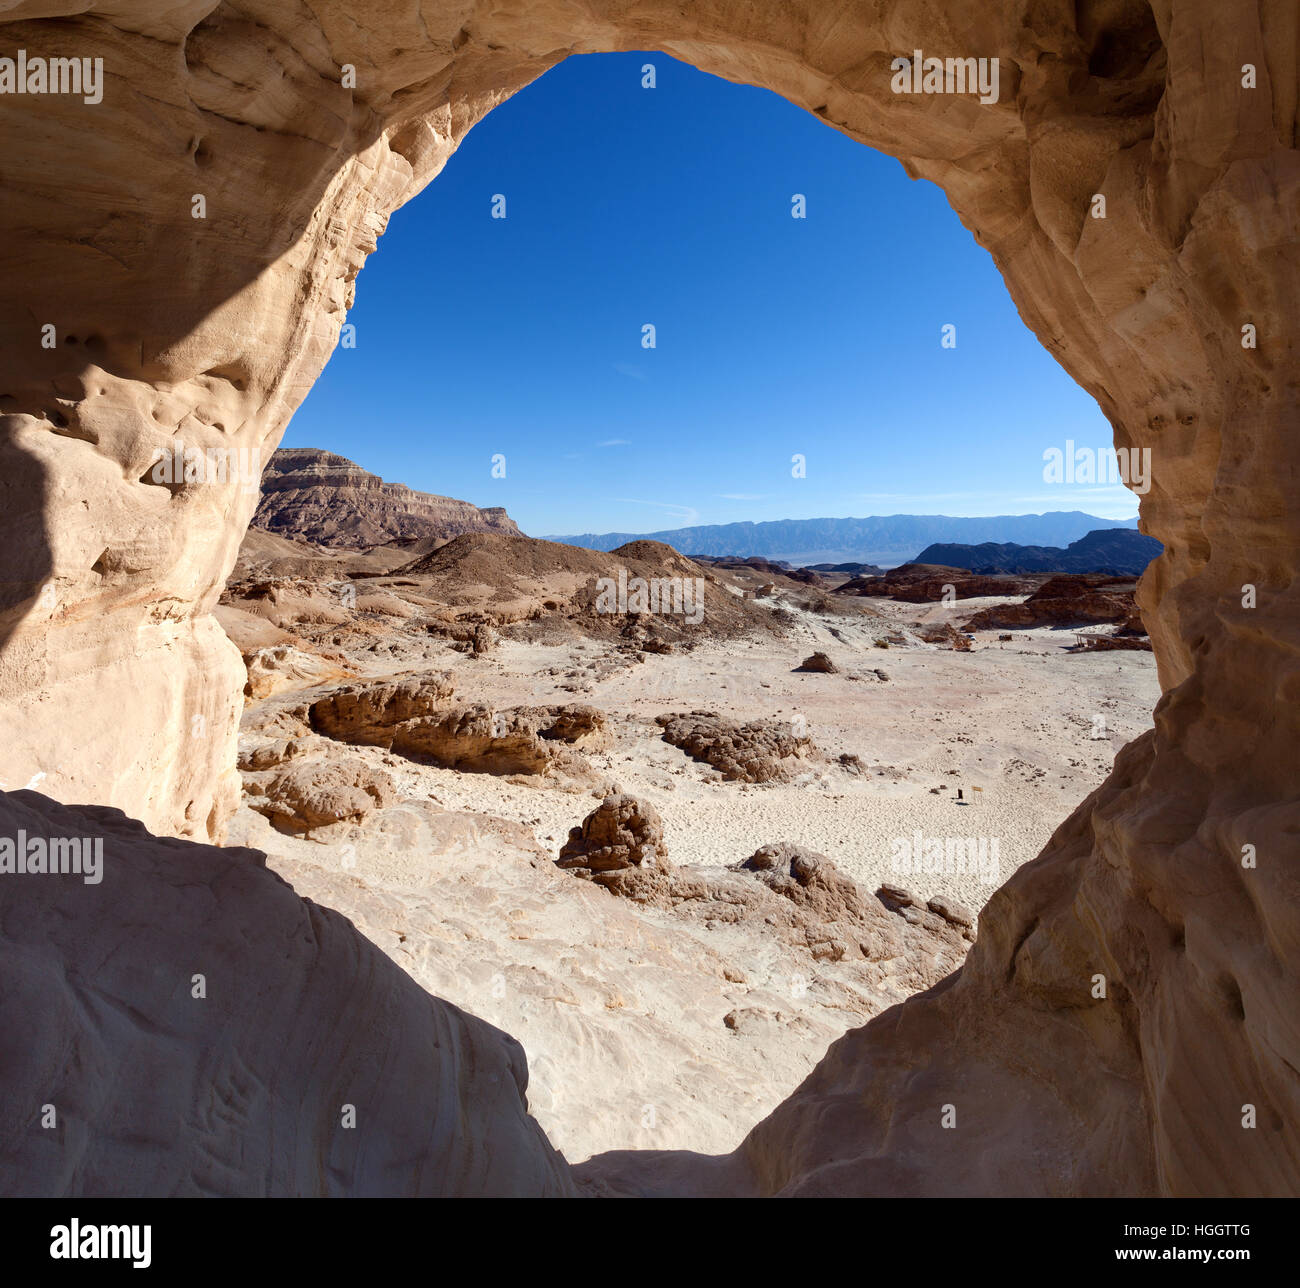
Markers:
point(316, 496)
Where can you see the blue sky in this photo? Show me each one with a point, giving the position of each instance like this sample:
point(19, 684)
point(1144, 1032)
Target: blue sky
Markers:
point(775, 336)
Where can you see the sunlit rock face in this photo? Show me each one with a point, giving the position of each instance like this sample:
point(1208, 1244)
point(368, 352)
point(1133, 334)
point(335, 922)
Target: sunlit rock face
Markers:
point(310, 495)
point(133, 327)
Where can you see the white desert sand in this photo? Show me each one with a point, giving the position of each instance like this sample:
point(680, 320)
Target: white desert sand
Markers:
point(645, 1028)
point(1023, 730)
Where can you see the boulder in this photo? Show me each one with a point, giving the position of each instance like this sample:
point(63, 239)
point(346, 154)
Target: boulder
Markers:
point(303, 795)
point(818, 662)
point(620, 845)
point(760, 751)
point(623, 832)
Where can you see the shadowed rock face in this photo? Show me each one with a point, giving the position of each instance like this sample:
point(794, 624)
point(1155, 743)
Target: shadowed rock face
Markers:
point(118, 686)
point(240, 1091)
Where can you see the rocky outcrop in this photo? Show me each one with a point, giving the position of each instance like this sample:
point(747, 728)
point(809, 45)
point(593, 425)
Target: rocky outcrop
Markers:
point(620, 846)
point(760, 751)
point(913, 909)
point(272, 670)
point(840, 921)
point(413, 716)
point(1174, 311)
point(1113, 551)
point(570, 722)
point(945, 634)
point(623, 833)
point(1062, 601)
point(477, 639)
point(285, 1054)
point(1114, 643)
point(371, 712)
point(930, 583)
point(310, 495)
point(307, 794)
point(819, 662)
point(1132, 623)
point(795, 893)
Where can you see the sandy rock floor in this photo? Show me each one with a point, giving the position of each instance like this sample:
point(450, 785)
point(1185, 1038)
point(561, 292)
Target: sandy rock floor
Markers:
point(1024, 729)
point(644, 1030)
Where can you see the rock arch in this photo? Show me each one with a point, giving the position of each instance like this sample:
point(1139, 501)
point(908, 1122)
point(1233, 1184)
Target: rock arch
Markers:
point(118, 687)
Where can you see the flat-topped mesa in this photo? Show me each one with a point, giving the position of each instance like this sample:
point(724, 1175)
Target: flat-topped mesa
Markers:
point(317, 496)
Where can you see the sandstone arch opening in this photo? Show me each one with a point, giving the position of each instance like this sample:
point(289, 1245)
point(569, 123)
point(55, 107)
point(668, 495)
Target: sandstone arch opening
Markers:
point(517, 350)
point(730, 747)
point(1145, 883)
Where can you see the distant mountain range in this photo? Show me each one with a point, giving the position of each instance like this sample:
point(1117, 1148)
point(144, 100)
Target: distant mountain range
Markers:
point(1121, 552)
point(887, 540)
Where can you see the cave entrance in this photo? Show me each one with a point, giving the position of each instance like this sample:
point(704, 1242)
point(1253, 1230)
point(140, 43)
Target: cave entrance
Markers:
point(305, 130)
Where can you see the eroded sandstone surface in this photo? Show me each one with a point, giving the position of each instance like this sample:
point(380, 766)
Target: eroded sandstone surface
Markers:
point(1175, 311)
point(758, 751)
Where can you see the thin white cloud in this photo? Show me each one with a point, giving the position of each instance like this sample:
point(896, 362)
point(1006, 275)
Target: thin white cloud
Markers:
point(742, 496)
point(615, 442)
point(627, 369)
point(686, 514)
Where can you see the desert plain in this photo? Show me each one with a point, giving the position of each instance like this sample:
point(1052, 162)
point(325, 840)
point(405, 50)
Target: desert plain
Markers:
point(427, 722)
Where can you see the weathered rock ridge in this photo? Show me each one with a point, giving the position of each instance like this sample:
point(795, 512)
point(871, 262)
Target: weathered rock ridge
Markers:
point(1175, 311)
point(760, 751)
point(1067, 600)
point(1114, 551)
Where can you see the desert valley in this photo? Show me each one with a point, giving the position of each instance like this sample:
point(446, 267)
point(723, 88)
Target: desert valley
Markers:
point(788, 805)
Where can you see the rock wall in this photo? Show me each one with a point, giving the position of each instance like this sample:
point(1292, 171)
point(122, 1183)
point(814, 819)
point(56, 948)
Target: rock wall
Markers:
point(209, 331)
